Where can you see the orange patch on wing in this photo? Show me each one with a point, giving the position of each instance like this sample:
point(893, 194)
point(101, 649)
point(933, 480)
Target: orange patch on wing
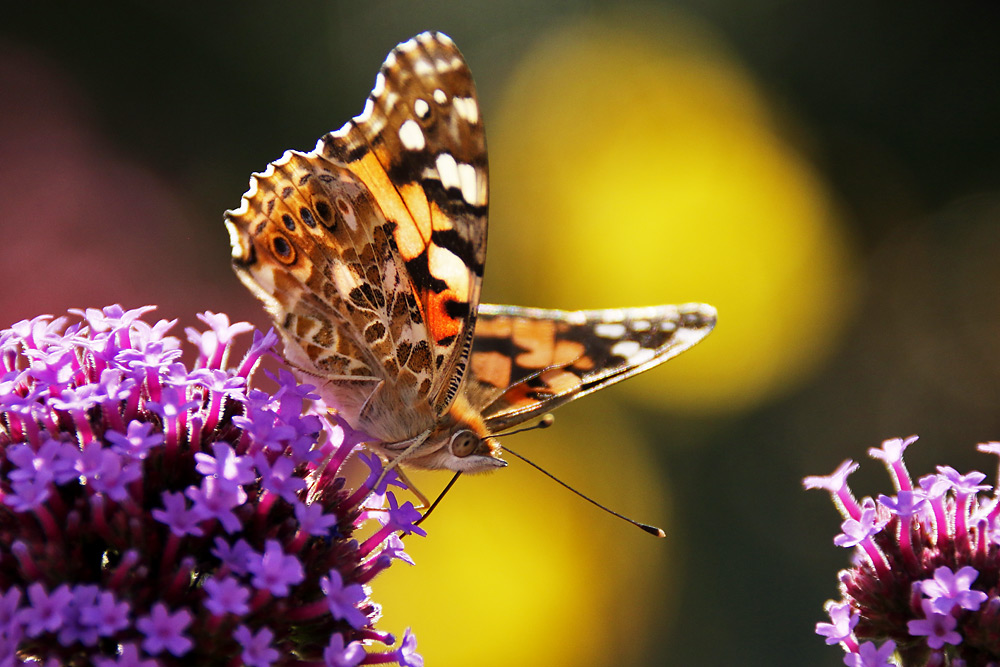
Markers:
point(492, 368)
point(499, 327)
point(416, 202)
point(538, 338)
point(440, 324)
point(440, 220)
point(567, 352)
point(408, 238)
point(560, 381)
point(517, 396)
point(411, 235)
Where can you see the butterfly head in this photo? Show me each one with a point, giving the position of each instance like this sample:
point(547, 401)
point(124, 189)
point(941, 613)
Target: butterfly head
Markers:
point(460, 442)
point(468, 451)
point(460, 449)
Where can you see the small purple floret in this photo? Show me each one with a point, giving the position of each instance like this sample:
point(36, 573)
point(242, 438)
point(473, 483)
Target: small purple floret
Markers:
point(165, 631)
point(870, 655)
point(274, 571)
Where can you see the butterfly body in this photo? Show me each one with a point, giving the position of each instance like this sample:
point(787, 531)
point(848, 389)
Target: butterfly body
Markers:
point(369, 251)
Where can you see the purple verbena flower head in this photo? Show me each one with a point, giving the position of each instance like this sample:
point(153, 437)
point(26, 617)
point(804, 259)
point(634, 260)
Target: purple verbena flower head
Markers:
point(924, 587)
point(156, 514)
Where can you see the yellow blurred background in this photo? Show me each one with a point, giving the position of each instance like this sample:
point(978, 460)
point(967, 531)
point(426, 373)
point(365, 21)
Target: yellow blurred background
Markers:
point(832, 192)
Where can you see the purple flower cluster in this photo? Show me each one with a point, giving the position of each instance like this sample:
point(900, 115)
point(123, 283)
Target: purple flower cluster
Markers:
point(924, 586)
point(152, 515)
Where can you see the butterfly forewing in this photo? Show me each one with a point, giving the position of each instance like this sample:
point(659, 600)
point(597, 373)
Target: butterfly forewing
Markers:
point(527, 361)
point(421, 148)
point(368, 252)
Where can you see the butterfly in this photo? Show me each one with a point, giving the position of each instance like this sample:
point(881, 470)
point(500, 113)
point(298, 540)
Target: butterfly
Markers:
point(368, 253)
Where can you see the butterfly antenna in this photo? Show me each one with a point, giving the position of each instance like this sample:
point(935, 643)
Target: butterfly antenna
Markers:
point(438, 499)
point(652, 530)
point(546, 421)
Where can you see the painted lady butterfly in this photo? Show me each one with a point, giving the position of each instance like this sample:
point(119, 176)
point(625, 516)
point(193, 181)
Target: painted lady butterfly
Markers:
point(368, 253)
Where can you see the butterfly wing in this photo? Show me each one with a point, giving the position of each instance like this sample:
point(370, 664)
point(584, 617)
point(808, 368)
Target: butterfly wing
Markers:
point(527, 361)
point(368, 252)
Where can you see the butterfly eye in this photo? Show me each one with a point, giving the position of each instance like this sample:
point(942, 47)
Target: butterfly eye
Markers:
point(464, 443)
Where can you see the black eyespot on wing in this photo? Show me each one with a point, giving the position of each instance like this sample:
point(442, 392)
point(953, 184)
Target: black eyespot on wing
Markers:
point(307, 217)
point(323, 209)
point(288, 221)
point(282, 249)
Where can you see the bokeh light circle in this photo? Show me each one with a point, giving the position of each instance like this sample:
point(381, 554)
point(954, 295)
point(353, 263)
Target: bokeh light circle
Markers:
point(634, 163)
point(517, 571)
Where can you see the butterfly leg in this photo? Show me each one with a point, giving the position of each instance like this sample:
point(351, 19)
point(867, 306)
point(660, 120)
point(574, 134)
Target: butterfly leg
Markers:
point(415, 443)
point(424, 503)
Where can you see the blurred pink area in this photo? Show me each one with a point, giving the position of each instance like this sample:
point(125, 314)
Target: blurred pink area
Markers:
point(84, 225)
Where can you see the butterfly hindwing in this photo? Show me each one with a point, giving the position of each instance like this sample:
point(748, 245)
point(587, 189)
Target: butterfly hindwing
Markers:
point(527, 361)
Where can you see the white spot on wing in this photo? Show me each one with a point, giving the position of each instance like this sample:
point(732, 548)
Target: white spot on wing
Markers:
point(252, 190)
point(467, 109)
point(468, 176)
point(421, 108)
point(641, 325)
point(280, 162)
point(412, 136)
point(244, 204)
point(625, 348)
point(366, 113)
point(612, 315)
point(447, 266)
point(610, 330)
point(633, 353)
point(375, 125)
point(235, 237)
point(448, 171)
point(439, 96)
point(422, 68)
point(390, 101)
point(380, 80)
